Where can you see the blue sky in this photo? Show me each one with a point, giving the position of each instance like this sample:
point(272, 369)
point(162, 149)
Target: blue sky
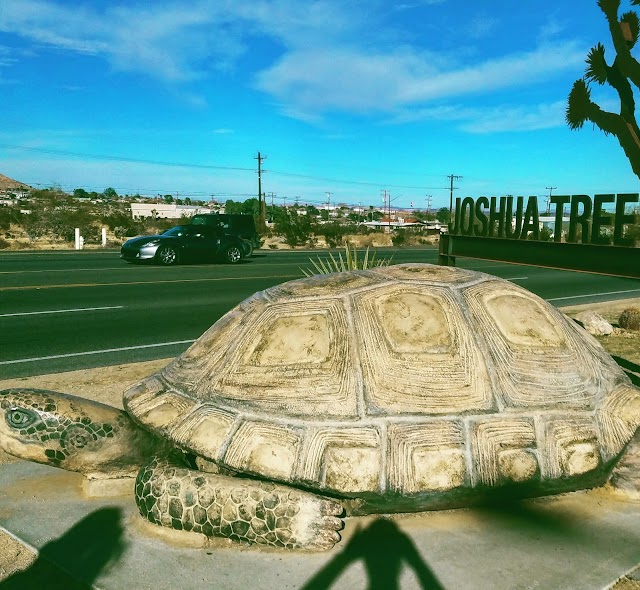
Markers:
point(349, 98)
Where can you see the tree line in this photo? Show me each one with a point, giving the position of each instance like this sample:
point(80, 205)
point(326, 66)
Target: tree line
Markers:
point(53, 214)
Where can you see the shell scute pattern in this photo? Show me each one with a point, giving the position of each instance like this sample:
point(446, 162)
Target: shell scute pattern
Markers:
point(416, 380)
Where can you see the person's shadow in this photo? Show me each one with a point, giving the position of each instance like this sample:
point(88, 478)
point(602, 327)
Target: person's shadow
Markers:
point(383, 548)
point(74, 561)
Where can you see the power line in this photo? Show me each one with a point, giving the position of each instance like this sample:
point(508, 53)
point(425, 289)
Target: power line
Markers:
point(212, 167)
point(549, 188)
point(124, 159)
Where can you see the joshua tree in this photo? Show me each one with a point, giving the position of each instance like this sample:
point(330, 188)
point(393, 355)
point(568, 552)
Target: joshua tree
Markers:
point(625, 68)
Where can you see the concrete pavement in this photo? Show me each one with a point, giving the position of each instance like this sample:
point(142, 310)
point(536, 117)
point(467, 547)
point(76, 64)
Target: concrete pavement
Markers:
point(579, 541)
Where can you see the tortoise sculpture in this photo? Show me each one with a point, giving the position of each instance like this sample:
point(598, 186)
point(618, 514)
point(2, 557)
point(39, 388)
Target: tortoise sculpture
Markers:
point(403, 388)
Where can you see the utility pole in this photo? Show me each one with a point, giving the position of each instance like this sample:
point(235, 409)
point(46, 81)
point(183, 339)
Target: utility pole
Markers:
point(261, 200)
point(328, 203)
point(429, 197)
point(451, 178)
point(549, 188)
point(272, 195)
point(386, 197)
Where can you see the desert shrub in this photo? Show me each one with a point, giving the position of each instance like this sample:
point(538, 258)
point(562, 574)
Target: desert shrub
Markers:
point(399, 238)
point(295, 229)
point(630, 319)
point(3, 244)
point(351, 261)
point(333, 233)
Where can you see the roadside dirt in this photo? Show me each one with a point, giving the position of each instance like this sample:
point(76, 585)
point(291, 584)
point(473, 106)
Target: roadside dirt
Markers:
point(622, 343)
point(106, 385)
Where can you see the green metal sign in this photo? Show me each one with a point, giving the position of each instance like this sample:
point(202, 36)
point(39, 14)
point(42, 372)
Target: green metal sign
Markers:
point(510, 218)
point(507, 229)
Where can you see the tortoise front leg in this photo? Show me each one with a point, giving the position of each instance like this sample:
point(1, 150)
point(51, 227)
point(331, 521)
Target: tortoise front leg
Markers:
point(237, 508)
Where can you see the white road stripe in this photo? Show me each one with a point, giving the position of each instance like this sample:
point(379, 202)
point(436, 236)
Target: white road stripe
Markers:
point(594, 295)
point(8, 315)
point(517, 278)
point(72, 354)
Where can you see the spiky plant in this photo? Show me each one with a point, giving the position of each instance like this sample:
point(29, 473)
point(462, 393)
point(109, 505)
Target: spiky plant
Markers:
point(624, 70)
point(351, 261)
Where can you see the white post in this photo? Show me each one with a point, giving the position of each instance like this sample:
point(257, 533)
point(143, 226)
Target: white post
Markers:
point(77, 238)
point(104, 237)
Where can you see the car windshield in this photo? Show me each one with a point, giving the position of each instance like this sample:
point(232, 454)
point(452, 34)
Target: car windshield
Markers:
point(176, 231)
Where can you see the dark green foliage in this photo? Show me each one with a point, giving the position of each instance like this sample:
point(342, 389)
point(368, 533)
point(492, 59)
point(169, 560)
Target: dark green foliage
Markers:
point(296, 229)
point(333, 233)
point(399, 237)
point(248, 207)
point(443, 215)
point(110, 193)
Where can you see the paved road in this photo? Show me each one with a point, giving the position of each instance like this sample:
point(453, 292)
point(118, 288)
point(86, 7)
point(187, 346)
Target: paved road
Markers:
point(65, 310)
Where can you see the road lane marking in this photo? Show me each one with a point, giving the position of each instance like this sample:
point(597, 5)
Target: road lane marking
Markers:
point(517, 278)
point(90, 352)
point(594, 295)
point(8, 315)
point(27, 287)
point(19, 272)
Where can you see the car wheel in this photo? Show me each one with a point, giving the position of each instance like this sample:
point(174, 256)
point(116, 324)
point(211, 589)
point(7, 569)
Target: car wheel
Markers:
point(248, 249)
point(233, 254)
point(167, 255)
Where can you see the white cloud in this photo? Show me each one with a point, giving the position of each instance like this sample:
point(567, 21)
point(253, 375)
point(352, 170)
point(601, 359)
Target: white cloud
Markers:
point(500, 118)
point(331, 56)
point(517, 118)
point(347, 79)
point(167, 40)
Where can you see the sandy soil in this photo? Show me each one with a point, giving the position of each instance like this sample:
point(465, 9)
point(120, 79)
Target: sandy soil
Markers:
point(106, 385)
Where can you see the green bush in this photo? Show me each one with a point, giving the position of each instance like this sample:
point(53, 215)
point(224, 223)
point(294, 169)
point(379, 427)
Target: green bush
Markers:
point(295, 229)
point(398, 238)
point(333, 233)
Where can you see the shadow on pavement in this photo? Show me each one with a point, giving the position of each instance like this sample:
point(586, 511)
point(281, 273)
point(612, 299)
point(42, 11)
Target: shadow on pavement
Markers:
point(76, 559)
point(383, 548)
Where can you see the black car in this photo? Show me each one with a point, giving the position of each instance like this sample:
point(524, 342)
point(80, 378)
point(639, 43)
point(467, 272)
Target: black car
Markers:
point(185, 243)
point(242, 226)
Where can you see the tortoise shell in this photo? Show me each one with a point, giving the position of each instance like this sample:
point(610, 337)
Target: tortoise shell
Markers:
point(407, 381)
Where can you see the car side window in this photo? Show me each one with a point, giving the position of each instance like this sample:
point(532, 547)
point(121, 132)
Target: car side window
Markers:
point(207, 232)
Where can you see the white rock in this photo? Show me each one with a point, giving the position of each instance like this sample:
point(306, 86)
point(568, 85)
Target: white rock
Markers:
point(594, 323)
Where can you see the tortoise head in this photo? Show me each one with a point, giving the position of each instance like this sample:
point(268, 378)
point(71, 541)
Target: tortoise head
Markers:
point(71, 432)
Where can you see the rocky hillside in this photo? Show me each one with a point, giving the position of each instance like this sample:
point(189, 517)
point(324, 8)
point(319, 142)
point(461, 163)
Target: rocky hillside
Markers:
point(7, 183)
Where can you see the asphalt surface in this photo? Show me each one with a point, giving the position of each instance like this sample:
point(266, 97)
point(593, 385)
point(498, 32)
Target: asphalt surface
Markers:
point(66, 310)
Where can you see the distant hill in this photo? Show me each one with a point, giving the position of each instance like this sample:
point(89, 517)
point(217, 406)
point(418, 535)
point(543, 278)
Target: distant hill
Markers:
point(7, 183)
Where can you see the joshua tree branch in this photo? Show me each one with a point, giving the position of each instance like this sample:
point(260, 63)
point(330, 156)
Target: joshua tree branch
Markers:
point(623, 40)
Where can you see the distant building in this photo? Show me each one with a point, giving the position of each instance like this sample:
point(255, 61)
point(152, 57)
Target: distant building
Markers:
point(396, 222)
point(165, 210)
